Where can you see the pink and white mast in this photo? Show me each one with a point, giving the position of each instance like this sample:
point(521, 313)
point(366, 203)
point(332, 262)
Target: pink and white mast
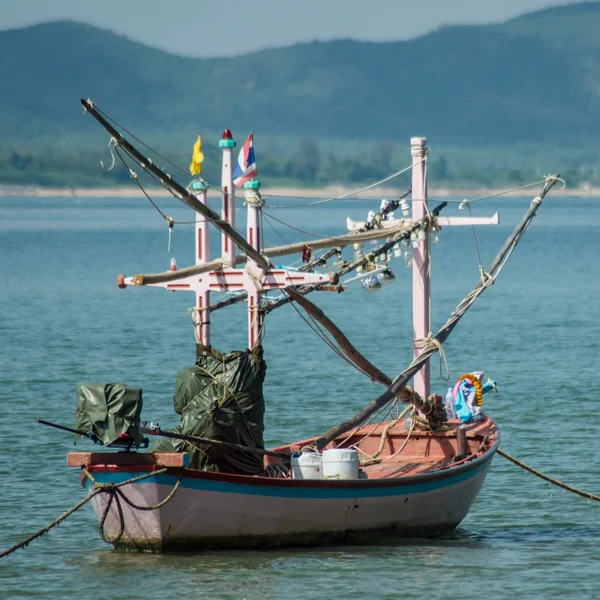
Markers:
point(253, 235)
point(253, 279)
point(227, 144)
point(421, 261)
point(421, 257)
point(421, 254)
point(202, 234)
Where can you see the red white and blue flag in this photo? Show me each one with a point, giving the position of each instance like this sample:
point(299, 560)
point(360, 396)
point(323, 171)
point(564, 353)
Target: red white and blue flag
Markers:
point(245, 168)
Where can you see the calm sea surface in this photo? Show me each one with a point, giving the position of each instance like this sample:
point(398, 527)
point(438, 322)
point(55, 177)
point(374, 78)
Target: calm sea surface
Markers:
point(63, 322)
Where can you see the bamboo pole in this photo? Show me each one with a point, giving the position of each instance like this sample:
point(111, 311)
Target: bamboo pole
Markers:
point(177, 189)
point(216, 265)
point(435, 344)
point(349, 350)
point(357, 262)
point(216, 443)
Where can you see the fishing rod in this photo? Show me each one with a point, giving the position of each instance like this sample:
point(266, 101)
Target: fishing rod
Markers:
point(156, 430)
point(123, 442)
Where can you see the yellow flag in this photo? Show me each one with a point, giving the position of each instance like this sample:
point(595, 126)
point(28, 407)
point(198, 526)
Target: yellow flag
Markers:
point(197, 158)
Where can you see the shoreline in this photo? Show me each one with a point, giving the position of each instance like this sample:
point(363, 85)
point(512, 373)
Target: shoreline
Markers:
point(281, 191)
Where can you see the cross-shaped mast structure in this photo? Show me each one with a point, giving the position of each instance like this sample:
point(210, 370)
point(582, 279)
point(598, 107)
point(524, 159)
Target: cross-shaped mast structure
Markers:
point(421, 254)
point(255, 279)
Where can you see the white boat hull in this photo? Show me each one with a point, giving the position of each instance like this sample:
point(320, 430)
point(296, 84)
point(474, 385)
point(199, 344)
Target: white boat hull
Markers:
point(217, 510)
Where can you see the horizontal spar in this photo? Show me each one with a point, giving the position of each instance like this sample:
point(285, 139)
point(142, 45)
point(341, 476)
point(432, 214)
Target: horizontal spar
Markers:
point(216, 265)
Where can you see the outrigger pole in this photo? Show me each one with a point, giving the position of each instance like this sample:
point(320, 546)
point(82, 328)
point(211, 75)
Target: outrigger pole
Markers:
point(178, 190)
point(384, 248)
point(434, 344)
point(258, 275)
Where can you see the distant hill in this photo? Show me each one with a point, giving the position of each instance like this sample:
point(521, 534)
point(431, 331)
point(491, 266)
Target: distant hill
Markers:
point(535, 78)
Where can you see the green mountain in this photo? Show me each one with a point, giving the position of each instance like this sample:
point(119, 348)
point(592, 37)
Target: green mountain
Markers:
point(532, 80)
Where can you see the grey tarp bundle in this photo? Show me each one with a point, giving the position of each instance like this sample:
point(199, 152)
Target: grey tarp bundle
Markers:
point(108, 410)
point(221, 398)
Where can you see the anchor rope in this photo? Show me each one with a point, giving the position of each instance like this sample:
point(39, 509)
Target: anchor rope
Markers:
point(115, 492)
point(552, 480)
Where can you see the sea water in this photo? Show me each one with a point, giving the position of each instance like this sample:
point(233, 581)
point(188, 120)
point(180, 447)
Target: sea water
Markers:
point(64, 321)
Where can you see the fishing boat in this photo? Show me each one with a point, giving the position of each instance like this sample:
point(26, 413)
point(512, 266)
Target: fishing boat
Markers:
point(211, 483)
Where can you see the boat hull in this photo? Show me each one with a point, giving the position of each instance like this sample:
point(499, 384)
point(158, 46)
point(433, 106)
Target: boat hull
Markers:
point(213, 510)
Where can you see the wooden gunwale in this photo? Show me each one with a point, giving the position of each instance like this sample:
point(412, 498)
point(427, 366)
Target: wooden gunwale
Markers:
point(256, 480)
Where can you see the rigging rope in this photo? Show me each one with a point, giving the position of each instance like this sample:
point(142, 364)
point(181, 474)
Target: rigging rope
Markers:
point(523, 187)
point(350, 194)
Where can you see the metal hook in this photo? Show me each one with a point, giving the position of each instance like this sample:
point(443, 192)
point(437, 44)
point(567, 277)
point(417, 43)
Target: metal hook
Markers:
point(111, 142)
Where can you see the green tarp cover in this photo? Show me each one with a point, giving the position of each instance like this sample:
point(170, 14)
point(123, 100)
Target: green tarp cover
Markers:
point(221, 398)
point(107, 410)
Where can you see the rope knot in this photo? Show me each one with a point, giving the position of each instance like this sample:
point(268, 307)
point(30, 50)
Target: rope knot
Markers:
point(430, 340)
point(253, 198)
point(555, 179)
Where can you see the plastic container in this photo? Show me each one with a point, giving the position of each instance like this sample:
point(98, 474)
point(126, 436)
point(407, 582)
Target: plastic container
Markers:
point(306, 465)
point(340, 463)
point(449, 404)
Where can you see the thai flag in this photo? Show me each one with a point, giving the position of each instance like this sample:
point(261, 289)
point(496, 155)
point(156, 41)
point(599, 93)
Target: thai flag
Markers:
point(245, 168)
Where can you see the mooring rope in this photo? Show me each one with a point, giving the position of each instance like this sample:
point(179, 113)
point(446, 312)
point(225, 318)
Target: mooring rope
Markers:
point(545, 477)
point(115, 493)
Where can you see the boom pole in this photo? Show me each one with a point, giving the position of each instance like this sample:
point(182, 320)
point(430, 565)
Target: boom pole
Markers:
point(178, 190)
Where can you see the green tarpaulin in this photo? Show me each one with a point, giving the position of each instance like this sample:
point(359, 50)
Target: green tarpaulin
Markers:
point(108, 410)
point(221, 398)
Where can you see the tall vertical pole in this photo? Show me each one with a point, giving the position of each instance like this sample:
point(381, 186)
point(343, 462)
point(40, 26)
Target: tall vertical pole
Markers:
point(202, 255)
point(421, 278)
point(255, 316)
point(227, 144)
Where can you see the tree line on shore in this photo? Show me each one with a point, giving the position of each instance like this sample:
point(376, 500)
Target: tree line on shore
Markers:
point(309, 163)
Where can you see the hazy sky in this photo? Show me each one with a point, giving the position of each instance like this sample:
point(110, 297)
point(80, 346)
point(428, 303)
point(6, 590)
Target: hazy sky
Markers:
point(225, 27)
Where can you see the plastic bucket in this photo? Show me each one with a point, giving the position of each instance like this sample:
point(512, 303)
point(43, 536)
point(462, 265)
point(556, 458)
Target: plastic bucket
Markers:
point(306, 465)
point(340, 463)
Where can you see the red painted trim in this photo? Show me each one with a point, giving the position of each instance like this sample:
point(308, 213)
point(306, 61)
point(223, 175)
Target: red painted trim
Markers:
point(487, 427)
point(226, 215)
point(200, 254)
point(178, 286)
point(251, 305)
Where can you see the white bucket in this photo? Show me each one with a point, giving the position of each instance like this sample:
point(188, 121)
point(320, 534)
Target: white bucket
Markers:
point(306, 465)
point(340, 463)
